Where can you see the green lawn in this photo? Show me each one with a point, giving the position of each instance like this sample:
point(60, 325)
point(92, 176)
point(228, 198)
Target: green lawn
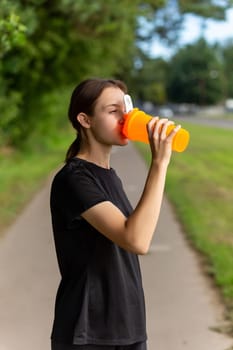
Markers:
point(200, 186)
point(22, 174)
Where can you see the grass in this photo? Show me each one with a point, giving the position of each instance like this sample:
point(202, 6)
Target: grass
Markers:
point(23, 172)
point(200, 186)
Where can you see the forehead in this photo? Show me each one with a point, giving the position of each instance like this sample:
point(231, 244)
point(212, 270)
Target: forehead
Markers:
point(111, 95)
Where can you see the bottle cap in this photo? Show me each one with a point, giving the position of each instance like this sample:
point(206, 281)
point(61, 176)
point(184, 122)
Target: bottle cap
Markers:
point(128, 103)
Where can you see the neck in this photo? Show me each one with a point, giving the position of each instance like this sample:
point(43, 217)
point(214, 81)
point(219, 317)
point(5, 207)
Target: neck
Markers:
point(99, 155)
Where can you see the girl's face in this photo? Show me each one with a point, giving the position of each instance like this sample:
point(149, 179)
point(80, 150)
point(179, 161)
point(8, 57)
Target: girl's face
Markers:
point(108, 119)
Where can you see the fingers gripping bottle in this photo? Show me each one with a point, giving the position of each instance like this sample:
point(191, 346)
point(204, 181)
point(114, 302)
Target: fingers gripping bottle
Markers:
point(134, 127)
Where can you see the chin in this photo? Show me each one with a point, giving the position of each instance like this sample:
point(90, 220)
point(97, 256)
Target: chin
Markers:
point(124, 141)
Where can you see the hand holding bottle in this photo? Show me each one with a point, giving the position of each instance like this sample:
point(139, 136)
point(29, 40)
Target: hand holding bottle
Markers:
point(160, 140)
point(135, 129)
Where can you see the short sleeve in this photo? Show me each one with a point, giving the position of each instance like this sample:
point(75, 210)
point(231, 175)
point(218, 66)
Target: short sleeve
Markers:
point(80, 185)
point(83, 191)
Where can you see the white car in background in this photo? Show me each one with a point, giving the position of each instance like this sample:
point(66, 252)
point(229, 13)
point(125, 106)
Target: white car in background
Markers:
point(166, 112)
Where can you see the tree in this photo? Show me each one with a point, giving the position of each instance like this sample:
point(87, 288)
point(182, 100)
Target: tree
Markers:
point(206, 9)
point(148, 79)
point(227, 52)
point(12, 30)
point(65, 42)
point(195, 75)
point(166, 22)
point(45, 44)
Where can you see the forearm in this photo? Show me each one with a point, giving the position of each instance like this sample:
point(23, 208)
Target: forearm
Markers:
point(141, 224)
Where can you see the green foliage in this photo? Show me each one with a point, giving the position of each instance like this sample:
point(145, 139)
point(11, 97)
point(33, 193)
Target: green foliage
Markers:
point(148, 80)
point(58, 43)
point(45, 44)
point(166, 22)
point(195, 75)
point(10, 110)
point(22, 173)
point(207, 8)
point(12, 30)
point(228, 67)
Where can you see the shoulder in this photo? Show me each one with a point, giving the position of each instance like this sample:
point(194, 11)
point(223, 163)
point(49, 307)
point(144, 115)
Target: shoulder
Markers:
point(75, 168)
point(76, 178)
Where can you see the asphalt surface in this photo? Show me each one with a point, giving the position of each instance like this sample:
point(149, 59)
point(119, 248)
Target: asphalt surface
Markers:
point(182, 306)
point(200, 120)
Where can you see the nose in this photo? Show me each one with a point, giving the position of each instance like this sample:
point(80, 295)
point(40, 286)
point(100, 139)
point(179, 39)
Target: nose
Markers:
point(122, 118)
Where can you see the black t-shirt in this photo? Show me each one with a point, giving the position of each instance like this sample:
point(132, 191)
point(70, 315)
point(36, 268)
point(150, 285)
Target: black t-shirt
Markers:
point(100, 298)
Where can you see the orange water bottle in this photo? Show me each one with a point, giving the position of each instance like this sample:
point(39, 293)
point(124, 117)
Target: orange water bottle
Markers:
point(134, 129)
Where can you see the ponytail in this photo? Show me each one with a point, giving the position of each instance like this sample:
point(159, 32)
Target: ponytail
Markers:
point(74, 148)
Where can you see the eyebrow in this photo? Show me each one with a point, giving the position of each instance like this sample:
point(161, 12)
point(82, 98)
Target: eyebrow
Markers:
point(112, 105)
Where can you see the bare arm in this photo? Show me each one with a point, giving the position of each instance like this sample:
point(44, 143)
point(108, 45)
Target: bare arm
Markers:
point(135, 232)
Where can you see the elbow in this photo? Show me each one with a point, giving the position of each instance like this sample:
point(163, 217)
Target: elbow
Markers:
point(140, 248)
point(136, 248)
point(137, 243)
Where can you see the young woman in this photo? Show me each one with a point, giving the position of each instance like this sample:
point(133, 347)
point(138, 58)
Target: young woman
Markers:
point(98, 235)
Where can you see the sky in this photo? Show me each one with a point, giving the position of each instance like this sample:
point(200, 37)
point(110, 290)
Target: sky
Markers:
point(215, 32)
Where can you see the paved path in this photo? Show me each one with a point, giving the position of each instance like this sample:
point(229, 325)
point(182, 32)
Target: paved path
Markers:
point(201, 120)
point(181, 306)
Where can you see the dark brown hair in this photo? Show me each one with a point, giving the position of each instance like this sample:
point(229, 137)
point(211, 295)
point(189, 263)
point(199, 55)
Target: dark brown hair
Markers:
point(83, 100)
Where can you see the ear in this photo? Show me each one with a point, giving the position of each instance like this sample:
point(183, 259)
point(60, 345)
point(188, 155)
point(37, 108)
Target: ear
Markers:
point(84, 120)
